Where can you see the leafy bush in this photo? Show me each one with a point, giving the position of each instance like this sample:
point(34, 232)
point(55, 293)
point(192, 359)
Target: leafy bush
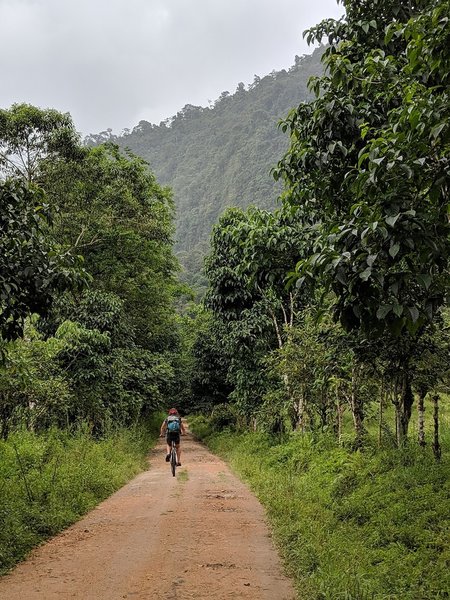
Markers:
point(223, 415)
point(200, 426)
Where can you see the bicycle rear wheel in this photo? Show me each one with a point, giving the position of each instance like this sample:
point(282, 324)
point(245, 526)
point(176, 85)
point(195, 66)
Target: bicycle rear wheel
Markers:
point(173, 460)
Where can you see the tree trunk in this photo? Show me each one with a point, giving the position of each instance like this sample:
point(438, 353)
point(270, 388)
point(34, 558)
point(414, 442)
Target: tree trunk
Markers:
point(407, 400)
point(301, 411)
point(421, 419)
point(436, 445)
point(380, 416)
point(403, 400)
point(398, 415)
point(357, 408)
point(398, 423)
point(277, 330)
point(323, 408)
point(339, 412)
point(285, 376)
point(5, 416)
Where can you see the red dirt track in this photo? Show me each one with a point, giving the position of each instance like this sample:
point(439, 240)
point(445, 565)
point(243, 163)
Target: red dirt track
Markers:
point(199, 535)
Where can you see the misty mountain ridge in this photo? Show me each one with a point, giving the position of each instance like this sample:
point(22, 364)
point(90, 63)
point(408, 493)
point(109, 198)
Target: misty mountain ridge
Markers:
point(219, 156)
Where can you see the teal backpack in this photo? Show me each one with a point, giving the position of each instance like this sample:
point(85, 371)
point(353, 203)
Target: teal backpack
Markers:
point(173, 424)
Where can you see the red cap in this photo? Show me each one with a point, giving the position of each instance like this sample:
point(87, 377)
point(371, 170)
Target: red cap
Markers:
point(173, 411)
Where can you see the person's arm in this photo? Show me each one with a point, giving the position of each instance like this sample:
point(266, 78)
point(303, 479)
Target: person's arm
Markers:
point(163, 428)
point(183, 429)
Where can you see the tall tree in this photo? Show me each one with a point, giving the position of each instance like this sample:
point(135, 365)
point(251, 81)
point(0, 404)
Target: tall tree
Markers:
point(120, 334)
point(113, 212)
point(246, 271)
point(369, 167)
point(29, 135)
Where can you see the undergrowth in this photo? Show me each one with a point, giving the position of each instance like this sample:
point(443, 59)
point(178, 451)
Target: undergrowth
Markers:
point(49, 480)
point(360, 525)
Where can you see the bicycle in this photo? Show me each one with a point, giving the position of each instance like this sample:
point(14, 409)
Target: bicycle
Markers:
point(173, 458)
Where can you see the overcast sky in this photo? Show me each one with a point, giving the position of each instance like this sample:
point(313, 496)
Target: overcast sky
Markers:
point(111, 63)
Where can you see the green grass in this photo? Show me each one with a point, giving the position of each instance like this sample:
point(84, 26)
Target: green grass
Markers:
point(183, 476)
point(48, 481)
point(350, 525)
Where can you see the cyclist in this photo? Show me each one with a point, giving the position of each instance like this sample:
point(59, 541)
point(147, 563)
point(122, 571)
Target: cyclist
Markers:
point(172, 426)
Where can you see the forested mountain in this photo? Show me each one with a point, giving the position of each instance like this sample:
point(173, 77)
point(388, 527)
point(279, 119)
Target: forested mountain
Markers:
point(221, 155)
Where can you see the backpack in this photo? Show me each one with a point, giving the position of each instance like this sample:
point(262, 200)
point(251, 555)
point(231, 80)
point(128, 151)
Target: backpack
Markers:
point(173, 424)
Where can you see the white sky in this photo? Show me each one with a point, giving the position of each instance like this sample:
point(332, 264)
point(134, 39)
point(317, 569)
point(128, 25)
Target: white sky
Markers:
point(111, 63)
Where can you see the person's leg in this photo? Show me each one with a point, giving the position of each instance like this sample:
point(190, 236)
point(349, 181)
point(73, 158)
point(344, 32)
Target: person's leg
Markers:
point(178, 447)
point(168, 448)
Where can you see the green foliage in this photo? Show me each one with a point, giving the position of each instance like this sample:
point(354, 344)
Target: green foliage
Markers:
point(112, 211)
point(30, 135)
point(115, 341)
point(50, 480)
point(368, 164)
point(349, 525)
point(247, 294)
point(364, 226)
point(431, 368)
point(110, 385)
point(32, 387)
point(200, 426)
point(318, 361)
point(200, 364)
point(209, 382)
point(247, 264)
point(222, 416)
point(32, 269)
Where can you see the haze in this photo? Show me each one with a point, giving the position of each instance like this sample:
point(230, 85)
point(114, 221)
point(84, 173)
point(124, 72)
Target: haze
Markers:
point(111, 63)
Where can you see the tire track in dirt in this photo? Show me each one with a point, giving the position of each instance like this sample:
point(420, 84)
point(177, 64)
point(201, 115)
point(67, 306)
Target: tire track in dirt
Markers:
point(199, 535)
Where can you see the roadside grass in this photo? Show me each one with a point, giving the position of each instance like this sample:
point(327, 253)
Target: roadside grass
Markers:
point(370, 524)
point(49, 480)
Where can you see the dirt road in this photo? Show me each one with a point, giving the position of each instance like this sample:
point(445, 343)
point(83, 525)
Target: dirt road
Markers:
point(199, 535)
